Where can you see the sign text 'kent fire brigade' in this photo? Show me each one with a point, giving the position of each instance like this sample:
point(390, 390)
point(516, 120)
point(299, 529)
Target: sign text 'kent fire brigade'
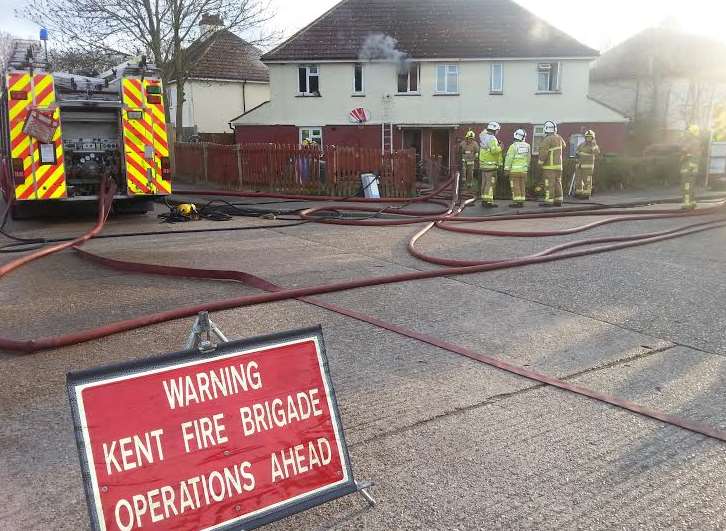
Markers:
point(239, 437)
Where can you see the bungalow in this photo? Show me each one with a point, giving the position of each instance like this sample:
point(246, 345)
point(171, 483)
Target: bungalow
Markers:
point(420, 73)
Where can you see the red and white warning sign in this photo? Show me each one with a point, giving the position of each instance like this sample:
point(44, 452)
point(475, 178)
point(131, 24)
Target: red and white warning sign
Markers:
point(41, 124)
point(236, 438)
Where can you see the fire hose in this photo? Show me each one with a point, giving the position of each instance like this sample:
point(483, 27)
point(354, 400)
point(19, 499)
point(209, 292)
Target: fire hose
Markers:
point(448, 221)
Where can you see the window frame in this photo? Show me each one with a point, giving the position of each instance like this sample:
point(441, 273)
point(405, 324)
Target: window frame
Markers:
point(308, 76)
point(310, 128)
point(448, 69)
point(492, 88)
point(552, 88)
point(411, 65)
point(572, 147)
point(362, 90)
point(538, 135)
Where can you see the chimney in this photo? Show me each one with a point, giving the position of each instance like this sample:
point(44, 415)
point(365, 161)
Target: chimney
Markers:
point(209, 24)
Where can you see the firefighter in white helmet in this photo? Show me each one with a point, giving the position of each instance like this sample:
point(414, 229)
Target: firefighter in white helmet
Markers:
point(550, 160)
point(490, 160)
point(587, 153)
point(516, 166)
point(469, 149)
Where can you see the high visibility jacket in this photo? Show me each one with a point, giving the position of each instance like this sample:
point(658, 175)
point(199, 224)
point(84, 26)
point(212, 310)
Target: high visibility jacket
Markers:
point(550, 152)
point(518, 156)
point(490, 154)
point(586, 154)
point(469, 151)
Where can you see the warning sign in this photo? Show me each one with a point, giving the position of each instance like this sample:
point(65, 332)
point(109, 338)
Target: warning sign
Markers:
point(41, 124)
point(237, 438)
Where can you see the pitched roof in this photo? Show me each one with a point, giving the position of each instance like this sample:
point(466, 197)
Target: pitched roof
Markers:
point(226, 56)
point(666, 51)
point(431, 29)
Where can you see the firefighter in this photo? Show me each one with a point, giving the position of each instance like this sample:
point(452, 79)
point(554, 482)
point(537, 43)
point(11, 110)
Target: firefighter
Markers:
point(550, 160)
point(690, 154)
point(490, 160)
point(516, 167)
point(586, 154)
point(469, 154)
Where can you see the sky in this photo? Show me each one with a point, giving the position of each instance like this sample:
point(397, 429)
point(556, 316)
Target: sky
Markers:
point(599, 24)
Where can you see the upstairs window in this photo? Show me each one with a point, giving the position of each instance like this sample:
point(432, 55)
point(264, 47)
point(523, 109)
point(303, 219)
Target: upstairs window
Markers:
point(408, 78)
point(308, 80)
point(447, 79)
point(496, 79)
point(358, 78)
point(548, 77)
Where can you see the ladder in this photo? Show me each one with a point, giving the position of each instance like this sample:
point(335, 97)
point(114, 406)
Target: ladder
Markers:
point(387, 137)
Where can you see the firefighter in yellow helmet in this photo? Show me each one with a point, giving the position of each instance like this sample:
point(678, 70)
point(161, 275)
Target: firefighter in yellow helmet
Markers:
point(516, 166)
point(550, 160)
point(690, 158)
point(490, 160)
point(469, 149)
point(586, 154)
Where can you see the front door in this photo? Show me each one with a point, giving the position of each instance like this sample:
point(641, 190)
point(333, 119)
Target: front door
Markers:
point(440, 149)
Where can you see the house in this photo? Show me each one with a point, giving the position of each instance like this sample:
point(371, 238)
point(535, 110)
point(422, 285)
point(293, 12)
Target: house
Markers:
point(664, 80)
point(420, 73)
point(228, 74)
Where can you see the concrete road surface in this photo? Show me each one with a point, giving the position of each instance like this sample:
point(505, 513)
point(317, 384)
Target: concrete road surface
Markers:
point(450, 443)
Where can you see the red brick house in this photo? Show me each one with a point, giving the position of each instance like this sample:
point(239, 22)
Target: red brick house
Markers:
point(421, 73)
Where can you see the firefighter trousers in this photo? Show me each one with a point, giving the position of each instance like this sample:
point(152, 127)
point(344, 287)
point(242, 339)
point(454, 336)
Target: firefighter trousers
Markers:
point(553, 186)
point(583, 182)
point(518, 181)
point(488, 184)
point(467, 175)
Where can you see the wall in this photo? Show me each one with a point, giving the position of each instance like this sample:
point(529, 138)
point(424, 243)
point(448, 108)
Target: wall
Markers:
point(519, 103)
point(210, 105)
point(612, 137)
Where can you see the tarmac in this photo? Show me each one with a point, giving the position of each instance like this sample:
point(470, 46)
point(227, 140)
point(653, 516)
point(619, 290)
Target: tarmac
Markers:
point(449, 442)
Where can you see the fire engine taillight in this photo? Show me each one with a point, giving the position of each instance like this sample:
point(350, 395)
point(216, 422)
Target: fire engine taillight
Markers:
point(18, 173)
point(165, 168)
point(152, 98)
point(18, 94)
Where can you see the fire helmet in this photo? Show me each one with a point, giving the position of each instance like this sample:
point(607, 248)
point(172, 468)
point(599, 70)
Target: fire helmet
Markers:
point(520, 134)
point(470, 134)
point(493, 127)
point(550, 127)
point(590, 134)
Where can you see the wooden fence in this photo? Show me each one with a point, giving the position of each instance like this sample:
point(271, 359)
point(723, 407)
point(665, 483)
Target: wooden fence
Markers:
point(330, 170)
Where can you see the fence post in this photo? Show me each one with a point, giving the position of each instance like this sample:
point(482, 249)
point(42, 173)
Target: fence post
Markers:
point(204, 162)
point(238, 150)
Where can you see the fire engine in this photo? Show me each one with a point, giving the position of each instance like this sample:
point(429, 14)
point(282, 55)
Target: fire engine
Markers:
point(61, 134)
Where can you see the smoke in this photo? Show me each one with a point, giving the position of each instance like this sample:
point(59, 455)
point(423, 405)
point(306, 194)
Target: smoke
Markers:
point(381, 47)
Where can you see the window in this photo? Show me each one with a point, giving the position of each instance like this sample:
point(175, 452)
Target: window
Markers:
point(496, 79)
point(548, 77)
point(358, 78)
point(447, 79)
point(311, 133)
point(408, 78)
point(308, 80)
point(575, 140)
point(537, 137)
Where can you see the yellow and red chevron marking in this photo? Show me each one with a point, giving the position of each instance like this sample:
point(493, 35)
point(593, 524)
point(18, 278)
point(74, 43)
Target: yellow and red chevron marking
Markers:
point(41, 181)
point(143, 176)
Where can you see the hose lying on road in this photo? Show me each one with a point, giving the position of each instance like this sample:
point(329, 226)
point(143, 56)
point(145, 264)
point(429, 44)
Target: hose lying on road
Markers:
point(455, 267)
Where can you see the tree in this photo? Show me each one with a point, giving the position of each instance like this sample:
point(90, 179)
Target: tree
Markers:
point(6, 41)
point(82, 61)
point(163, 29)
